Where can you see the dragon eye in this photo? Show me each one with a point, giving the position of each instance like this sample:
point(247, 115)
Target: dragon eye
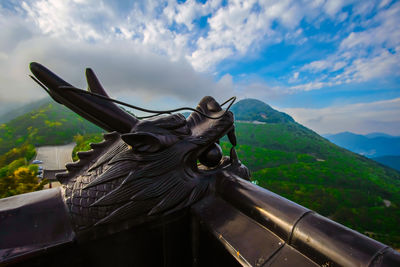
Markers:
point(211, 156)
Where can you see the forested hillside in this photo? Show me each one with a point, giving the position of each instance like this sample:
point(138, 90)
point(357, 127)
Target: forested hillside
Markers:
point(391, 161)
point(256, 110)
point(293, 161)
point(16, 112)
point(50, 124)
point(303, 167)
point(283, 156)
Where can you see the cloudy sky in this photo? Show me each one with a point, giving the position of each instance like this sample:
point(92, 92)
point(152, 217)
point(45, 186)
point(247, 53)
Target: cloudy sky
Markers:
point(333, 65)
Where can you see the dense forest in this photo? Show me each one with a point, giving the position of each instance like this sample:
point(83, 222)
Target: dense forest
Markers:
point(48, 124)
point(283, 156)
point(336, 183)
point(17, 176)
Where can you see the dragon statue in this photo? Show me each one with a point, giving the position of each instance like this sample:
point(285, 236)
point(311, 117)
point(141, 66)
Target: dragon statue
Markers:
point(143, 169)
point(160, 192)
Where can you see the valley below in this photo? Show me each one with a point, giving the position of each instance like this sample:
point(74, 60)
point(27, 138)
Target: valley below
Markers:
point(282, 155)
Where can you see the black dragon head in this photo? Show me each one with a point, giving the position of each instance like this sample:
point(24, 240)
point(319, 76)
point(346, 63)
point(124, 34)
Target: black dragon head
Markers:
point(143, 168)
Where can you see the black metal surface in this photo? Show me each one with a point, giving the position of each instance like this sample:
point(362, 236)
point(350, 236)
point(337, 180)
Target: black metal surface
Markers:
point(247, 241)
point(386, 257)
point(32, 223)
point(288, 256)
point(101, 112)
point(164, 242)
point(213, 253)
point(269, 209)
point(146, 169)
point(322, 240)
point(330, 243)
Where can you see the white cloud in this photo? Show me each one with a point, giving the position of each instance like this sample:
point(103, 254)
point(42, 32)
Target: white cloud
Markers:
point(363, 118)
point(158, 48)
point(125, 67)
point(309, 86)
point(339, 65)
point(384, 3)
point(257, 89)
point(372, 53)
point(318, 65)
point(332, 7)
point(119, 66)
point(235, 28)
point(60, 17)
point(383, 64)
point(241, 26)
point(295, 77)
point(185, 13)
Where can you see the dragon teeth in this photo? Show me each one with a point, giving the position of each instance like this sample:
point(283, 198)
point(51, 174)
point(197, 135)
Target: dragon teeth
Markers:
point(232, 137)
point(233, 156)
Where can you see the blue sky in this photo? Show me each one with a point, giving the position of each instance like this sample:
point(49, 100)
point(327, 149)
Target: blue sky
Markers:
point(333, 65)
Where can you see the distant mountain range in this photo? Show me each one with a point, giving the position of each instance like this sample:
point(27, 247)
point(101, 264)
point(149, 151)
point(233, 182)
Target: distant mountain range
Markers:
point(370, 145)
point(381, 147)
point(283, 156)
point(391, 161)
point(15, 112)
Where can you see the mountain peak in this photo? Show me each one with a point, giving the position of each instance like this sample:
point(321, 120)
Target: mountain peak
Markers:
point(250, 109)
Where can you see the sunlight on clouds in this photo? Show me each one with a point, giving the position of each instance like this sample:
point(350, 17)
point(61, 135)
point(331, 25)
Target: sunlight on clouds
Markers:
point(172, 29)
point(310, 86)
point(184, 50)
point(318, 65)
point(332, 7)
point(59, 17)
point(384, 64)
point(123, 67)
point(187, 12)
point(363, 118)
point(363, 55)
point(294, 78)
point(236, 28)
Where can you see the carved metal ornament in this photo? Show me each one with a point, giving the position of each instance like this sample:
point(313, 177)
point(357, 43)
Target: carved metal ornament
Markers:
point(144, 168)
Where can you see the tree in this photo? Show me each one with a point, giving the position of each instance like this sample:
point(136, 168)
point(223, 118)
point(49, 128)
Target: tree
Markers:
point(18, 178)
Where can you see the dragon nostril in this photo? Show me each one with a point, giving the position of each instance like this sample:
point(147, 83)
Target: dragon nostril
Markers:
point(211, 156)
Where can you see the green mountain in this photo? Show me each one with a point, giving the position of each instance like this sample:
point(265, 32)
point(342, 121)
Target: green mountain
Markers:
point(256, 110)
point(284, 157)
point(21, 110)
point(49, 124)
point(295, 162)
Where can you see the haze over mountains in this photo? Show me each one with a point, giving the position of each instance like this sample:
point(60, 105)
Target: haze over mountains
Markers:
point(391, 161)
point(283, 156)
point(370, 145)
point(6, 116)
point(48, 124)
point(381, 147)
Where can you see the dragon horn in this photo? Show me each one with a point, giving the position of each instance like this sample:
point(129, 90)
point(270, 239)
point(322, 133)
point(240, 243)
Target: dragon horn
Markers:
point(101, 112)
point(94, 84)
